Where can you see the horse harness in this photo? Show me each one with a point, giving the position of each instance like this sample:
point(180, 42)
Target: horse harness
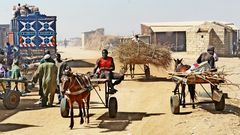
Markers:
point(83, 81)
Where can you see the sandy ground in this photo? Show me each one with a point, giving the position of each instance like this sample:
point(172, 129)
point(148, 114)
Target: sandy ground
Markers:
point(143, 107)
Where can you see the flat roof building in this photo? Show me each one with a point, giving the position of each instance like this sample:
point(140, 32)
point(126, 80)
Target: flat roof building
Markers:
point(193, 37)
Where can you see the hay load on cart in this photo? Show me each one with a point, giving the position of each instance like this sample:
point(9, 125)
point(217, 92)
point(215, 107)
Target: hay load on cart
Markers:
point(134, 52)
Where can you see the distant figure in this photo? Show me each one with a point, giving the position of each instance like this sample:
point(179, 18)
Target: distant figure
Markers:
point(26, 8)
point(17, 10)
point(135, 38)
point(16, 53)
point(234, 49)
point(65, 43)
point(2, 70)
point(9, 54)
point(2, 56)
point(238, 45)
point(18, 7)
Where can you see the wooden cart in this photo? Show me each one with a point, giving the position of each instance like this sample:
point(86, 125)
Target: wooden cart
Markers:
point(216, 96)
point(11, 97)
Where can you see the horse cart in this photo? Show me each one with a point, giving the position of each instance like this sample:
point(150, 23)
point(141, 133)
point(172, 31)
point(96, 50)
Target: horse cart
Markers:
point(180, 78)
point(109, 101)
point(11, 97)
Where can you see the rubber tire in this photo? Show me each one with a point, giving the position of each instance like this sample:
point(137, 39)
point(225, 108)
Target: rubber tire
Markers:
point(175, 105)
point(113, 107)
point(11, 99)
point(219, 106)
point(64, 108)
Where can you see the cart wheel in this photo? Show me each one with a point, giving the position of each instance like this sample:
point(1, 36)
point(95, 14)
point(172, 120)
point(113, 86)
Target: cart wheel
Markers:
point(147, 71)
point(174, 101)
point(219, 106)
point(113, 107)
point(11, 99)
point(64, 107)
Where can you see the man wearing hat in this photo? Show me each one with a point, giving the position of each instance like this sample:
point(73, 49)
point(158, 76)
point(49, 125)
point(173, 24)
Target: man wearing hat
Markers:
point(47, 55)
point(209, 56)
point(46, 73)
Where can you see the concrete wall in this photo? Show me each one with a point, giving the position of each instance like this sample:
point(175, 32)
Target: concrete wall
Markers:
point(199, 37)
point(202, 36)
point(145, 30)
point(86, 36)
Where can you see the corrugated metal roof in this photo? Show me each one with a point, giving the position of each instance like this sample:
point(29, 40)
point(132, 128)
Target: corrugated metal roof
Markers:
point(169, 29)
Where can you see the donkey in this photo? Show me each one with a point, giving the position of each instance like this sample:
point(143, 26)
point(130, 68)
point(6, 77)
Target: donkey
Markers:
point(180, 67)
point(77, 88)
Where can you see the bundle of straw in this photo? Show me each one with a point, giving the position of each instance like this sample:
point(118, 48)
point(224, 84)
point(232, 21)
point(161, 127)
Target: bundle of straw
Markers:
point(132, 52)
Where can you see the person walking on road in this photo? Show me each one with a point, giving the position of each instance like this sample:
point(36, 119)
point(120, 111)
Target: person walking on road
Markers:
point(46, 73)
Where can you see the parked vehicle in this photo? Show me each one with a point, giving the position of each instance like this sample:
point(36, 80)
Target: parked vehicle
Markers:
point(32, 34)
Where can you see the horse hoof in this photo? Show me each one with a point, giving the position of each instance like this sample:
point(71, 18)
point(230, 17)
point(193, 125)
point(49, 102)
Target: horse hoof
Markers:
point(193, 106)
point(81, 122)
point(71, 127)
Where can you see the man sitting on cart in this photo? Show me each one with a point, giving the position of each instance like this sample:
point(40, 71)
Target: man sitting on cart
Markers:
point(210, 56)
point(104, 69)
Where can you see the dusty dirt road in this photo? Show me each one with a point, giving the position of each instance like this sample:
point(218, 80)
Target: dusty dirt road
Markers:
point(143, 108)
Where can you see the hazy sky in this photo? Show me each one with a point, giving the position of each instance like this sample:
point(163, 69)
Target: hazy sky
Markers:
point(123, 17)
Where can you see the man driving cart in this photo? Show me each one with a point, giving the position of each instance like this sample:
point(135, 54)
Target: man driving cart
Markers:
point(104, 69)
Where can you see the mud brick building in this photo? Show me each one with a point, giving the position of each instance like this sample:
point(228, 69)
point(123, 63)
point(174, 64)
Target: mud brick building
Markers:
point(193, 37)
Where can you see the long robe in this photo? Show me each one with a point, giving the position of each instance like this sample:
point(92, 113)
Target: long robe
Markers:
point(47, 75)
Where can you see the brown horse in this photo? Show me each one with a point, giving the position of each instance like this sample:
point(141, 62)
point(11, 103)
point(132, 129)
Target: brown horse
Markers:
point(77, 88)
point(180, 67)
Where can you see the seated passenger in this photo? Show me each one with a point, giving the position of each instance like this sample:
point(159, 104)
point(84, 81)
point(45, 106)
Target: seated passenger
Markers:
point(104, 69)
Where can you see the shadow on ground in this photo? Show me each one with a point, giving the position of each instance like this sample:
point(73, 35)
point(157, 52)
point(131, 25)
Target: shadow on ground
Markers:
point(229, 109)
point(151, 79)
point(24, 105)
point(5, 127)
point(122, 120)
